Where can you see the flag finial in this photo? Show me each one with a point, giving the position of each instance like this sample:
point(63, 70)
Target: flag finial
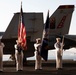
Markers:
point(21, 2)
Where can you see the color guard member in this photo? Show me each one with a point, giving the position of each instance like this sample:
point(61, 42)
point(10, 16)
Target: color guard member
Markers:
point(38, 62)
point(1, 55)
point(57, 46)
point(19, 56)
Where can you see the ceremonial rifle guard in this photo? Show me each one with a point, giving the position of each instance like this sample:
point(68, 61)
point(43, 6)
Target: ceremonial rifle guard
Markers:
point(58, 46)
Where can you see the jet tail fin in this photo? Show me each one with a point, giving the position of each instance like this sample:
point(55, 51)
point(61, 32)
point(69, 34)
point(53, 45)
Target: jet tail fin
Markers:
point(61, 19)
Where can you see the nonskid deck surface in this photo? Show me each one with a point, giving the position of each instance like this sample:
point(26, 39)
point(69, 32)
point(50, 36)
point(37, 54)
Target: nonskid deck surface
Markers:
point(69, 68)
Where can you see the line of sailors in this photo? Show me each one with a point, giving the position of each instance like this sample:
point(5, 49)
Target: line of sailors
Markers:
point(57, 45)
point(38, 59)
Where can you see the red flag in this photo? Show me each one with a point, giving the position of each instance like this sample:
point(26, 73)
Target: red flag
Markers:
point(22, 30)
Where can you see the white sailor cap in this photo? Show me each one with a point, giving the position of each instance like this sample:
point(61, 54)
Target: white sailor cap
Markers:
point(18, 41)
point(58, 39)
point(38, 39)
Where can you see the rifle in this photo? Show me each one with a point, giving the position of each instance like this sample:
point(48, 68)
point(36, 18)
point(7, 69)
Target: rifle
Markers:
point(62, 44)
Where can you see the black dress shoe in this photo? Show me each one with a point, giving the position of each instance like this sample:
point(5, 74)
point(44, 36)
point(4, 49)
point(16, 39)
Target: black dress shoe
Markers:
point(59, 68)
point(19, 70)
point(1, 71)
point(38, 69)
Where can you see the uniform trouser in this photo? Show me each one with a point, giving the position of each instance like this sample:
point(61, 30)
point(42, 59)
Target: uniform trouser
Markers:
point(38, 62)
point(58, 60)
point(19, 61)
point(1, 64)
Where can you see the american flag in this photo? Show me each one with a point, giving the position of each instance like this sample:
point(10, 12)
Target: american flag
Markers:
point(22, 30)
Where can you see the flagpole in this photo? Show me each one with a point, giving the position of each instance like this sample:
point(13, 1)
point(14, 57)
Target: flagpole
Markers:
point(49, 26)
point(21, 1)
point(49, 31)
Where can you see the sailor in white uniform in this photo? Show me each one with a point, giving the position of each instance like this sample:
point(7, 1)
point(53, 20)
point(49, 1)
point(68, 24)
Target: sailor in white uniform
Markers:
point(18, 56)
point(59, 54)
point(38, 62)
point(1, 55)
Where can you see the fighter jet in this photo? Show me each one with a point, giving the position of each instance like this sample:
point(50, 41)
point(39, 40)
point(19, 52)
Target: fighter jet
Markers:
point(59, 26)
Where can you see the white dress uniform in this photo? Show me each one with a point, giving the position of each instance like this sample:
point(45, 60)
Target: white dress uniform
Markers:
point(19, 59)
point(58, 55)
point(1, 56)
point(38, 62)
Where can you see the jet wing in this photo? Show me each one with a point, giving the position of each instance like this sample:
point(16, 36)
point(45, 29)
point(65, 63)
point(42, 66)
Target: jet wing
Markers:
point(69, 41)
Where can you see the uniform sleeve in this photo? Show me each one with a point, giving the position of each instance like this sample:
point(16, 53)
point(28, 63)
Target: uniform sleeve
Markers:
point(35, 45)
point(15, 46)
point(3, 45)
point(55, 45)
